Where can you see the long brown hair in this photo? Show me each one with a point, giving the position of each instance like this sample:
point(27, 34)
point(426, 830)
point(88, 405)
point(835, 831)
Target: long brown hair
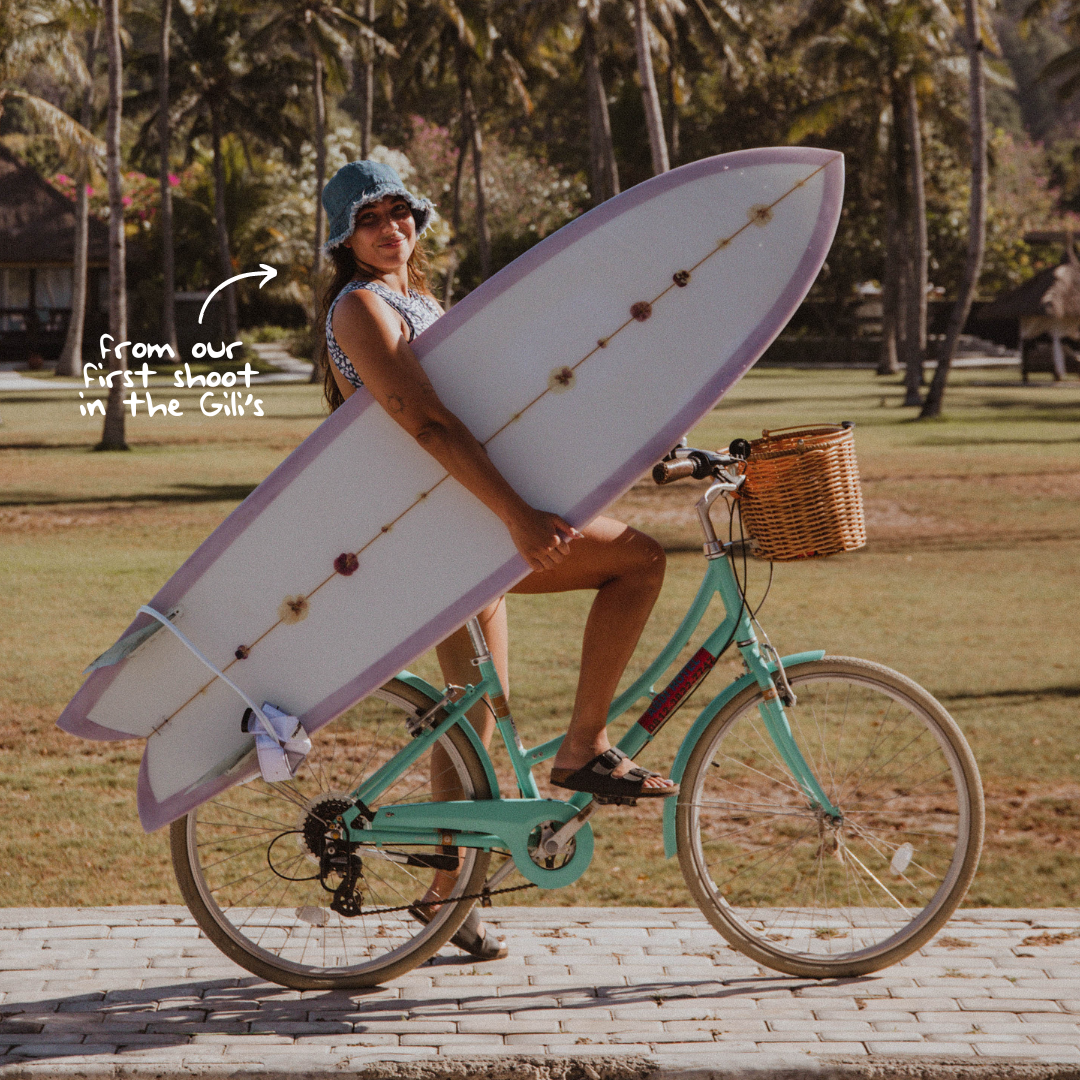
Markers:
point(346, 267)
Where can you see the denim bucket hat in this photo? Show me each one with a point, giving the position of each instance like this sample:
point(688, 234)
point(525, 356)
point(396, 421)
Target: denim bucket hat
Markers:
point(360, 183)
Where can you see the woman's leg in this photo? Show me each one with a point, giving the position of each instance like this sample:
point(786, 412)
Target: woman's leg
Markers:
point(626, 567)
point(455, 658)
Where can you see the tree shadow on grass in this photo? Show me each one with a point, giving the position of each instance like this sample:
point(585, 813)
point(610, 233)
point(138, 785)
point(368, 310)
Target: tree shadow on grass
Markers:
point(187, 493)
point(996, 442)
point(1016, 694)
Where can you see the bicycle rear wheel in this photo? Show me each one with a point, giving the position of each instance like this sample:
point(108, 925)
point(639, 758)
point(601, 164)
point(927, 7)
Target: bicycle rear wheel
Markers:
point(253, 868)
point(798, 892)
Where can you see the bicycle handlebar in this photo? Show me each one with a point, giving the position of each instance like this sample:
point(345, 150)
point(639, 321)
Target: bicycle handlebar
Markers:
point(683, 462)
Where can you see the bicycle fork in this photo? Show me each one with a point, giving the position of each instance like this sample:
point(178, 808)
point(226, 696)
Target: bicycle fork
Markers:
point(772, 705)
point(776, 722)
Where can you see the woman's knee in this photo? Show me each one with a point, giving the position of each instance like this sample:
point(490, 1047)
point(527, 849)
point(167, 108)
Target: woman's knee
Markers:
point(649, 558)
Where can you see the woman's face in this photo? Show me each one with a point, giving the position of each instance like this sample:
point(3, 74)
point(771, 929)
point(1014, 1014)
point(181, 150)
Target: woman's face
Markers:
point(384, 235)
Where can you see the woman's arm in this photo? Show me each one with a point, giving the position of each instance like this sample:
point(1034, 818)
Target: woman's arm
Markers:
point(371, 336)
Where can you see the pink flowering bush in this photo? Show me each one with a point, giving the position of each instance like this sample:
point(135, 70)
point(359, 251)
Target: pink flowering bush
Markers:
point(141, 195)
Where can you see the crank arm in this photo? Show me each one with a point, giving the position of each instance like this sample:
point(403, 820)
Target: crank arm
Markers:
point(553, 844)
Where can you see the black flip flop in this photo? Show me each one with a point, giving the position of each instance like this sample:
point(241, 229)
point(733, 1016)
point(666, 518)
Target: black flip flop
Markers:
point(594, 778)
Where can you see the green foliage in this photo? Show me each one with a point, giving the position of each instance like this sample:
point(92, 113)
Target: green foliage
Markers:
point(730, 76)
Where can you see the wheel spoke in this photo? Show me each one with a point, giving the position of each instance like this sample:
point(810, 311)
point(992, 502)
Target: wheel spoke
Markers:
point(798, 889)
point(261, 881)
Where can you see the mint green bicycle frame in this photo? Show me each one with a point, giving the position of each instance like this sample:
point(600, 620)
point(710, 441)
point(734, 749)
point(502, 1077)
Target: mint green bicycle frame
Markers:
point(512, 823)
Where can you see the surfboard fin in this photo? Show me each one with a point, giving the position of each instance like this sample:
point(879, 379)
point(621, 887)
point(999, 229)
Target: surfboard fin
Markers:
point(123, 648)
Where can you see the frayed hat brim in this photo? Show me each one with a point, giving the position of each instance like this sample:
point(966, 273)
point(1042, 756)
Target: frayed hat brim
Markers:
point(345, 224)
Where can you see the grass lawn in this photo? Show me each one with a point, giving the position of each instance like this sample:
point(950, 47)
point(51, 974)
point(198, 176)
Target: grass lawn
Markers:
point(969, 584)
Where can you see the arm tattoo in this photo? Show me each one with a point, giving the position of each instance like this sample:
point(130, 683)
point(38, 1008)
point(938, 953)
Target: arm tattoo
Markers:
point(394, 404)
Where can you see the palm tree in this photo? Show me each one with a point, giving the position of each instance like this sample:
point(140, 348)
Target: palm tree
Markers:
point(43, 33)
point(315, 28)
point(976, 214)
point(472, 39)
point(1067, 19)
point(545, 21)
point(654, 121)
point(603, 168)
point(221, 82)
point(112, 435)
point(168, 253)
point(883, 58)
point(70, 362)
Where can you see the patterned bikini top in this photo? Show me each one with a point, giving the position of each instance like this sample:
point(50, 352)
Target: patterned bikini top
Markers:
point(418, 311)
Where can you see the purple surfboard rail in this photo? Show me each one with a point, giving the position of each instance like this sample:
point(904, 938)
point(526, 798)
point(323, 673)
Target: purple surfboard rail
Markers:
point(74, 719)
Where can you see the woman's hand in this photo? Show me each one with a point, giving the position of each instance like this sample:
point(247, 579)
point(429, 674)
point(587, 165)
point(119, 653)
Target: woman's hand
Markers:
point(542, 538)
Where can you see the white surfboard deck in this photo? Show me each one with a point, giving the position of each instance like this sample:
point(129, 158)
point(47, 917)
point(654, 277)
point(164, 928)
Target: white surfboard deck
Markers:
point(569, 422)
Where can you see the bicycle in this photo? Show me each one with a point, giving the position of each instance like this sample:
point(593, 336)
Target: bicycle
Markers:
point(830, 817)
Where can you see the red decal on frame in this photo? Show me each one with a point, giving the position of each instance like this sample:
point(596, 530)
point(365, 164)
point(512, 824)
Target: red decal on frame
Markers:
point(667, 701)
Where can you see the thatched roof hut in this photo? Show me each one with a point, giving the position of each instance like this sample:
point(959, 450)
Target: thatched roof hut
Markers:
point(1047, 308)
point(37, 253)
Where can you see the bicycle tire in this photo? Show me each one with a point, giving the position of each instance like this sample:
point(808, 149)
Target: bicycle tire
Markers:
point(248, 863)
point(796, 894)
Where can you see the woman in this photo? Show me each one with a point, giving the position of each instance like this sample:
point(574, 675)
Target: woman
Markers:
point(376, 304)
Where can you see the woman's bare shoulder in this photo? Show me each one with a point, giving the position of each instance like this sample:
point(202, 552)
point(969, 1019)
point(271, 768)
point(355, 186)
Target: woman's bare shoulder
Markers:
point(363, 312)
point(361, 300)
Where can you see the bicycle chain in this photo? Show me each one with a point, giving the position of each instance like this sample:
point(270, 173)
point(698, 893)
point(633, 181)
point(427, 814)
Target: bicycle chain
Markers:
point(484, 893)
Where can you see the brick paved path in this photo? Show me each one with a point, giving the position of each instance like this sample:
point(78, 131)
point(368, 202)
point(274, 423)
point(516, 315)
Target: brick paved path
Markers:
point(136, 990)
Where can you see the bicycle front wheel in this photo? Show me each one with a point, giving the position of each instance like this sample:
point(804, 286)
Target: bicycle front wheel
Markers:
point(803, 893)
point(255, 870)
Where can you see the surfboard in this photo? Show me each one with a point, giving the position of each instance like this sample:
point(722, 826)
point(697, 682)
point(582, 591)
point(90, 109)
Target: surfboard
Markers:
point(577, 366)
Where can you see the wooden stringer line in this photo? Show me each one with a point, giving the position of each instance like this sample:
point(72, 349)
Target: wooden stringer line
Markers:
point(756, 216)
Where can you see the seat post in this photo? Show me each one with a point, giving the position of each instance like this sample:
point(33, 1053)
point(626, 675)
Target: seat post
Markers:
point(479, 642)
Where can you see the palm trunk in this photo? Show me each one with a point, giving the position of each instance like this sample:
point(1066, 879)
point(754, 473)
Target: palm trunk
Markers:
point(917, 260)
point(367, 83)
point(168, 254)
point(320, 181)
point(654, 121)
point(112, 435)
point(70, 362)
point(476, 142)
point(603, 170)
point(71, 357)
point(673, 94)
point(976, 215)
point(320, 155)
point(455, 219)
point(888, 364)
point(225, 266)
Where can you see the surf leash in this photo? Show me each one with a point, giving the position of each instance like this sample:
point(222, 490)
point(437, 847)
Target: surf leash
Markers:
point(279, 753)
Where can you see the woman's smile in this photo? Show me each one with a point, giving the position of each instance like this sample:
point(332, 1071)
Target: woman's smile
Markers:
point(384, 234)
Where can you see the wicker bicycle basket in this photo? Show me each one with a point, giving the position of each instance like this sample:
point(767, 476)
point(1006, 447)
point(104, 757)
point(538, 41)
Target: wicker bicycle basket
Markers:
point(802, 498)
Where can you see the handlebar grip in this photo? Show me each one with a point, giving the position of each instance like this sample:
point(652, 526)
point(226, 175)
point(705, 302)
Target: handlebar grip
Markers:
point(665, 472)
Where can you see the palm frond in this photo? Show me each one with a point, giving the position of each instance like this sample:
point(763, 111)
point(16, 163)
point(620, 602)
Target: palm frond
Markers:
point(1063, 64)
point(74, 141)
point(821, 115)
point(517, 78)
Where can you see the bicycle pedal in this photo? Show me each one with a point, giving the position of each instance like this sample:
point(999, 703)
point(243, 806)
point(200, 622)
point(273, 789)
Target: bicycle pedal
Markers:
point(615, 800)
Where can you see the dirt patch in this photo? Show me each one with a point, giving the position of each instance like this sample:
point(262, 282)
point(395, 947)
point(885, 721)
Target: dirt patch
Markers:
point(57, 518)
point(1050, 939)
point(889, 519)
point(892, 523)
point(953, 943)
